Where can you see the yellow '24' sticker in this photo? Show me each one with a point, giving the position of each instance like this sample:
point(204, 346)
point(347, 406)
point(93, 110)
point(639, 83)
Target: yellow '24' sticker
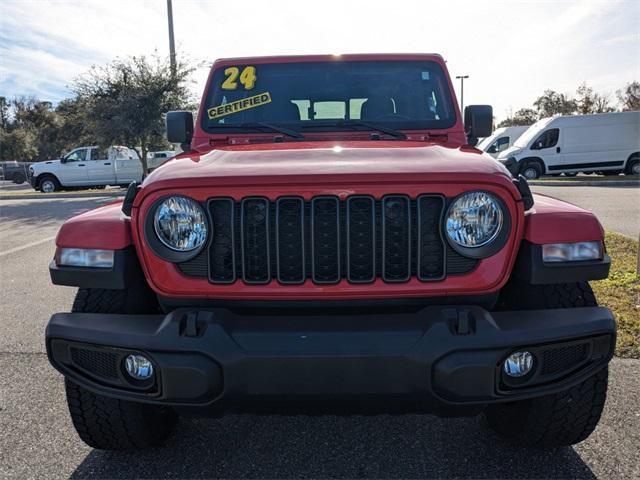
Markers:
point(248, 78)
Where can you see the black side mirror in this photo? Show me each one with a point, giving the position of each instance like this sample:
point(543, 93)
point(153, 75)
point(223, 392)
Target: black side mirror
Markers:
point(492, 149)
point(478, 122)
point(180, 128)
point(63, 159)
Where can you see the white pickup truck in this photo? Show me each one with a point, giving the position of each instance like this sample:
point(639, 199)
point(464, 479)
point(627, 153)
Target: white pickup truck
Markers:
point(87, 167)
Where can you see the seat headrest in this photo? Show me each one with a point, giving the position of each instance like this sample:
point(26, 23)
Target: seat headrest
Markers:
point(376, 107)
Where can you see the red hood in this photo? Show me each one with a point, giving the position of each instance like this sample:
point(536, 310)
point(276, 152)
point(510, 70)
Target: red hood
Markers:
point(327, 162)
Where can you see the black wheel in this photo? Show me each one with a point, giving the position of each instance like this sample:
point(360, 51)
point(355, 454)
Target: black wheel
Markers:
point(531, 170)
point(110, 424)
point(563, 418)
point(555, 420)
point(19, 178)
point(107, 423)
point(633, 166)
point(48, 184)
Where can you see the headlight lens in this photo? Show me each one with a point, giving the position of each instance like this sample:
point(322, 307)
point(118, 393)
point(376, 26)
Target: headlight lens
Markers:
point(474, 219)
point(571, 252)
point(180, 224)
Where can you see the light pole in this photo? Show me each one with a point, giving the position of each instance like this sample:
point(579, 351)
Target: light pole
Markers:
point(462, 77)
point(172, 45)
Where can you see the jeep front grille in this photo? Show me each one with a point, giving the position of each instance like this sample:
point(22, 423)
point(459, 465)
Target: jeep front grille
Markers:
point(326, 240)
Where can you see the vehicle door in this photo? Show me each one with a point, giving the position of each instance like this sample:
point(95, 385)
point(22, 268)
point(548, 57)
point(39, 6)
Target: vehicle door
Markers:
point(548, 146)
point(73, 168)
point(128, 165)
point(101, 169)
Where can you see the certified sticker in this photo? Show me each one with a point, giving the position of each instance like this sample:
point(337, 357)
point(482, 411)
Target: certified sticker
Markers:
point(239, 105)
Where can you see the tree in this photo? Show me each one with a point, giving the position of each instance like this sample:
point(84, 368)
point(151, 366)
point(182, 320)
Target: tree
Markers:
point(589, 101)
point(125, 100)
point(552, 103)
point(629, 96)
point(523, 117)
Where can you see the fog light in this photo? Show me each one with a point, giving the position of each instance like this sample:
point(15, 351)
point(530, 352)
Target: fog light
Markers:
point(139, 367)
point(518, 364)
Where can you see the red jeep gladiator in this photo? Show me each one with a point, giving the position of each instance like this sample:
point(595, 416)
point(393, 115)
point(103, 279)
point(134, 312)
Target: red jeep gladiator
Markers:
point(330, 240)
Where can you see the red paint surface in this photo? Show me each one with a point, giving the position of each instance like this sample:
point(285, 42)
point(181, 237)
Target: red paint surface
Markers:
point(104, 227)
point(330, 163)
point(554, 221)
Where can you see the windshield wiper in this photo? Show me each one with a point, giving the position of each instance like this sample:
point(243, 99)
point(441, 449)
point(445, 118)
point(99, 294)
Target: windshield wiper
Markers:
point(372, 126)
point(262, 125)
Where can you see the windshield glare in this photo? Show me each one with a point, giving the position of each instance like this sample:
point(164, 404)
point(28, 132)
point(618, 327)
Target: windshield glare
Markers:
point(305, 95)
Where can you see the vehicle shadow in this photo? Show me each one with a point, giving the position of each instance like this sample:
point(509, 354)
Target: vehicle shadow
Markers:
point(384, 446)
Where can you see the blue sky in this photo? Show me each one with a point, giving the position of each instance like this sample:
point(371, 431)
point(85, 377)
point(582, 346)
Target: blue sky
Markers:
point(511, 50)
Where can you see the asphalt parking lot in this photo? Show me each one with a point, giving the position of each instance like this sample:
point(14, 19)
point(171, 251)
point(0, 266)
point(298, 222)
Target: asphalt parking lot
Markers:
point(38, 440)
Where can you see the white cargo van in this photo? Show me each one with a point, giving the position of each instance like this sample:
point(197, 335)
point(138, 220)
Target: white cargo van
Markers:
point(87, 167)
point(500, 140)
point(603, 142)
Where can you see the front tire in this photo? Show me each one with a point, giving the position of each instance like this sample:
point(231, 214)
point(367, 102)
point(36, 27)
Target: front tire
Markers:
point(531, 170)
point(562, 419)
point(111, 424)
point(633, 166)
point(108, 423)
point(48, 184)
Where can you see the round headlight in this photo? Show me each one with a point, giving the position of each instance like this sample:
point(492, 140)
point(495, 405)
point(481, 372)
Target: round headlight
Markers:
point(180, 224)
point(474, 219)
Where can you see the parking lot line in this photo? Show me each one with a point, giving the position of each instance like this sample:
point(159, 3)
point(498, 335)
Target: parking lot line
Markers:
point(26, 245)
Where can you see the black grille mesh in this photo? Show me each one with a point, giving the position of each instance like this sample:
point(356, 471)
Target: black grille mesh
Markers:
point(327, 240)
point(555, 360)
point(290, 240)
point(99, 363)
point(256, 266)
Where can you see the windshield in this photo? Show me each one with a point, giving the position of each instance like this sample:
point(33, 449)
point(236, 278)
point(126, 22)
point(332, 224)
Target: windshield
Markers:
point(486, 142)
point(532, 132)
point(330, 96)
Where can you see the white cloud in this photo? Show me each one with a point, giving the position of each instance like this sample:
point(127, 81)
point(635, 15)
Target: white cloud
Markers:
point(511, 50)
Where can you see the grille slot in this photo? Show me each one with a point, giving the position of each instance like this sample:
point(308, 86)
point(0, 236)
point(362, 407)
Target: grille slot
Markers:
point(361, 239)
point(325, 239)
point(222, 266)
point(256, 263)
point(290, 249)
point(431, 247)
point(396, 238)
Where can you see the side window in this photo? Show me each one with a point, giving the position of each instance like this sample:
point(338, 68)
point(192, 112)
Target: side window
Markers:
point(499, 145)
point(548, 139)
point(77, 155)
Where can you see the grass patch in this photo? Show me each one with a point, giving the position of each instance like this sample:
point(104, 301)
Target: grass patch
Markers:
point(621, 293)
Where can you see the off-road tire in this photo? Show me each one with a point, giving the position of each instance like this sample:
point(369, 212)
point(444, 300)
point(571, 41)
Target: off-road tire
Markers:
point(524, 296)
point(137, 299)
point(107, 423)
point(562, 419)
point(110, 424)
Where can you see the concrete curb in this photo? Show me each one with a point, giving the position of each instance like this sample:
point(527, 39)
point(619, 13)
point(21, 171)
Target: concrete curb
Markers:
point(46, 196)
point(584, 183)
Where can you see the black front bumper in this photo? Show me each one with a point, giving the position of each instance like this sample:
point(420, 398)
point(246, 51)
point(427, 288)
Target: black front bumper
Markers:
point(436, 358)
